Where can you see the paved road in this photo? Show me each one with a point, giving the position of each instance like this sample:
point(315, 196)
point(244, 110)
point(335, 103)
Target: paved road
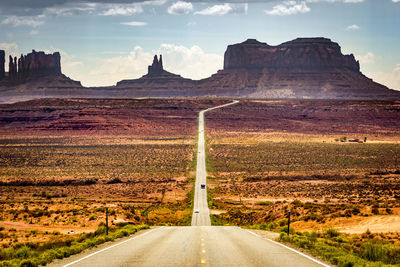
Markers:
point(201, 213)
point(196, 245)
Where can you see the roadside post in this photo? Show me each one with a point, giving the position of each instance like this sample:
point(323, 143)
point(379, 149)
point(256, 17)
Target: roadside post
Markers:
point(288, 223)
point(106, 221)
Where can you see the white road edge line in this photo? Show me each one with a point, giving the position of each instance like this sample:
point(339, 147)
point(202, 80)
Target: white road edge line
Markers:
point(289, 248)
point(97, 252)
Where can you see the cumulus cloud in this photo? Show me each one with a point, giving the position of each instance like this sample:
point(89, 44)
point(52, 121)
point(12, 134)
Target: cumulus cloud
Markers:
point(353, 27)
point(11, 49)
point(134, 23)
point(31, 21)
point(288, 8)
point(293, 7)
point(125, 10)
point(333, 1)
point(366, 59)
point(390, 79)
point(180, 7)
point(219, 10)
point(190, 62)
point(70, 9)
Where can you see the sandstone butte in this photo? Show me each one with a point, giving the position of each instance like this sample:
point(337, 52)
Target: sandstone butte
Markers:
point(301, 68)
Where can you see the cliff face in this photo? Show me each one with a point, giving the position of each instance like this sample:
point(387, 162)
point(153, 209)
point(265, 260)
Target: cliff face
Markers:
point(157, 82)
point(33, 65)
point(302, 68)
point(301, 53)
point(2, 64)
point(36, 74)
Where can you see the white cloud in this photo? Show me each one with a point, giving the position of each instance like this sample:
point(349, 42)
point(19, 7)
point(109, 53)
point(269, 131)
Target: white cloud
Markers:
point(224, 9)
point(70, 9)
point(288, 8)
point(396, 1)
point(123, 9)
point(33, 32)
point(180, 7)
point(366, 59)
point(334, 1)
point(11, 49)
point(24, 21)
point(127, 9)
point(353, 27)
point(390, 79)
point(134, 23)
point(190, 62)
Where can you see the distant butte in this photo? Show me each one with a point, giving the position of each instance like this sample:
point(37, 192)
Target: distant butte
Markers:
point(301, 68)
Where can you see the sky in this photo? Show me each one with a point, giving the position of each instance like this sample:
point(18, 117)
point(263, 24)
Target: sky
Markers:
point(104, 41)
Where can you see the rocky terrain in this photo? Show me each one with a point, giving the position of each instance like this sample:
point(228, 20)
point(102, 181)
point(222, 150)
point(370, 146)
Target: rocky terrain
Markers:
point(34, 75)
point(301, 68)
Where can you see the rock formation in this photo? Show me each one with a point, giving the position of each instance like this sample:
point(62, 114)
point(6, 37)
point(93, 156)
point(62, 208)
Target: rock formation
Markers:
point(35, 75)
point(302, 68)
point(34, 65)
point(304, 53)
point(156, 68)
point(2, 64)
point(157, 82)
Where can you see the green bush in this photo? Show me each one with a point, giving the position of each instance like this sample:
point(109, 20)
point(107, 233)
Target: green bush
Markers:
point(331, 232)
point(372, 252)
point(44, 254)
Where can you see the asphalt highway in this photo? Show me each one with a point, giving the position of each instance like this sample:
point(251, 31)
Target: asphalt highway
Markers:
point(201, 213)
point(198, 245)
point(193, 246)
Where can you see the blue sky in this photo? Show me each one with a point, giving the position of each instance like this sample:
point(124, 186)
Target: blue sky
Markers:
point(104, 41)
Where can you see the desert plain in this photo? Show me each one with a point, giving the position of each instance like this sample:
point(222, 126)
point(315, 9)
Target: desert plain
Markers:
point(335, 164)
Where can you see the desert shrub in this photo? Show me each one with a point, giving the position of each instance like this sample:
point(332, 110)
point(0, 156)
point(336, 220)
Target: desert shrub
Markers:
point(302, 241)
point(44, 254)
point(23, 252)
point(7, 253)
point(285, 229)
point(28, 263)
point(331, 232)
point(283, 237)
point(372, 252)
point(312, 236)
point(92, 217)
point(392, 254)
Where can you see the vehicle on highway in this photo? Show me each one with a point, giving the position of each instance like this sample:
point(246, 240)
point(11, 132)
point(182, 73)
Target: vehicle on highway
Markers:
point(203, 186)
point(196, 211)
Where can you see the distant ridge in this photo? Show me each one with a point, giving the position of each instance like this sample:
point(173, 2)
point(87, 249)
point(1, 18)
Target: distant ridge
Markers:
point(301, 68)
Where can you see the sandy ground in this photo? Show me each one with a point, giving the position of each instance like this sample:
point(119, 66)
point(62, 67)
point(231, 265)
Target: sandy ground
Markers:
point(64, 229)
point(356, 224)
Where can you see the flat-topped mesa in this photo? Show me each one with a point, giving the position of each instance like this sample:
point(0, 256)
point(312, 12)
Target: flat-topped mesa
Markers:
point(34, 64)
point(301, 53)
